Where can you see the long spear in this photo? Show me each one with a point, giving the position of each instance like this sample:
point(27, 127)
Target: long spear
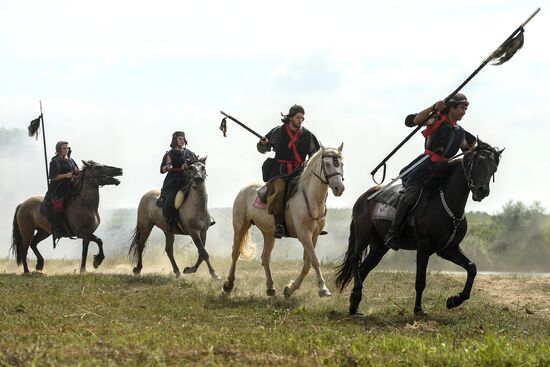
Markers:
point(33, 131)
point(502, 54)
point(223, 125)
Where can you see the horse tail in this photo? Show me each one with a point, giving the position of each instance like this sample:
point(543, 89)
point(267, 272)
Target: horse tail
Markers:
point(134, 240)
point(247, 248)
point(16, 239)
point(345, 270)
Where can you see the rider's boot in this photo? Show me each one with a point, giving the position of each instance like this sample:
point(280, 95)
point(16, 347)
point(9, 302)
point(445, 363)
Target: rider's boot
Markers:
point(392, 237)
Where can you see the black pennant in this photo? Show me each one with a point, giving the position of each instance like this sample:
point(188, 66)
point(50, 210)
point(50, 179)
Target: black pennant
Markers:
point(33, 127)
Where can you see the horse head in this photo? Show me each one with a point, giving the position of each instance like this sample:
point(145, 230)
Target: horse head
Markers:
point(332, 169)
point(480, 164)
point(101, 174)
point(196, 171)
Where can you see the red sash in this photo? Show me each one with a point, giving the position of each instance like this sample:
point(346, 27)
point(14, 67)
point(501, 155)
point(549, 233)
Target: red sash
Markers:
point(291, 165)
point(429, 130)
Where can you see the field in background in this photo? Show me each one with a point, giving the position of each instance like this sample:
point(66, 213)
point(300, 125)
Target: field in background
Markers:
point(109, 317)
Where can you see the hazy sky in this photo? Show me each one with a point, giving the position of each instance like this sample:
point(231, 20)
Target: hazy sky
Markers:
point(116, 78)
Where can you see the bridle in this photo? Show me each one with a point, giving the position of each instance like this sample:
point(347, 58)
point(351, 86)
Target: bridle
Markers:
point(336, 163)
point(469, 166)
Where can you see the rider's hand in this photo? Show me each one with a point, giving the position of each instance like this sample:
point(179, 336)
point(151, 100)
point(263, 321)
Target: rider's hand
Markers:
point(438, 106)
point(264, 141)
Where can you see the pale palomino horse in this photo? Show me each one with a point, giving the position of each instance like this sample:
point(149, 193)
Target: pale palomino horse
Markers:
point(194, 220)
point(30, 227)
point(304, 215)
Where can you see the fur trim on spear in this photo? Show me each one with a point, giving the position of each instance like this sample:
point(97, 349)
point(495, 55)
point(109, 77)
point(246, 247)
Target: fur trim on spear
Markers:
point(33, 127)
point(508, 49)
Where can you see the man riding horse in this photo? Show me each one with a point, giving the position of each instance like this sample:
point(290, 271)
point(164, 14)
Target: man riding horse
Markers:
point(292, 144)
point(444, 136)
point(174, 164)
point(63, 169)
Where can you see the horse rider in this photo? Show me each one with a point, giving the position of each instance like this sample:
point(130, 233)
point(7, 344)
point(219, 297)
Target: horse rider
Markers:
point(174, 165)
point(292, 143)
point(443, 137)
point(63, 170)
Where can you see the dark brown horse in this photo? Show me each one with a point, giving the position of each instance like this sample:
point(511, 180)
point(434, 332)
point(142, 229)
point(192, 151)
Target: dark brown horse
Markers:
point(81, 216)
point(440, 227)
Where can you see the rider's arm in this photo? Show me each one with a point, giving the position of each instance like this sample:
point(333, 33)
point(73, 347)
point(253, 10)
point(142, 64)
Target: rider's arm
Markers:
point(265, 144)
point(468, 143)
point(419, 118)
point(166, 164)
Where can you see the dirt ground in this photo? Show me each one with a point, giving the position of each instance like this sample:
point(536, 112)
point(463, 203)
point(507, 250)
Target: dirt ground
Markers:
point(529, 293)
point(517, 292)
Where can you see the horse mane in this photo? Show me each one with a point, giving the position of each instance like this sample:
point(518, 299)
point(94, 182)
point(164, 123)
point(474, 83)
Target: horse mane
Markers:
point(442, 172)
point(313, 165)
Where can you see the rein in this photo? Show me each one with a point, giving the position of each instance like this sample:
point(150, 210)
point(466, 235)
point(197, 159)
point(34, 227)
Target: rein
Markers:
point(327, 176)
point(467, 168)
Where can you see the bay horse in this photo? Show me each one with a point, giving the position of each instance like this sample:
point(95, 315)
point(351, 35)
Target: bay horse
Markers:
point(30, 226)
point(440, 227)
point(304, 215)
point(194, 220)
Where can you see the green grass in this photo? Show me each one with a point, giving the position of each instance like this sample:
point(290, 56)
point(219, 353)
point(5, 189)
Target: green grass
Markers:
point(157, 320)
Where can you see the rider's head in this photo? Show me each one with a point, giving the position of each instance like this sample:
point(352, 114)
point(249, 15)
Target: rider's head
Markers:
point(62, 148)
point(456, 106)
point(295, 116)
point(178, 139)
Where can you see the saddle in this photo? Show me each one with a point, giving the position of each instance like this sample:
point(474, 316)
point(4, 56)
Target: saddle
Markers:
point(386, 204)
point(292, 180)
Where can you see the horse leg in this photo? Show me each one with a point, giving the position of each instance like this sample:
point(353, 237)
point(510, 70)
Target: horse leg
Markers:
point(85, 243)
point(98, 259)
point(269, 242)
point(138, 244)
point(241, 234)
point(203, 256)
point(39, 236)
point(420, 284)
point(456, 256)
point(294, 285)
point(309, 250)
point(169, 249)
point(376, 253)
point(26, 239)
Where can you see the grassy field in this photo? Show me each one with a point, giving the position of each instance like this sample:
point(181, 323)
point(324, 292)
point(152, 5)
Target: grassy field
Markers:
point(114, 318)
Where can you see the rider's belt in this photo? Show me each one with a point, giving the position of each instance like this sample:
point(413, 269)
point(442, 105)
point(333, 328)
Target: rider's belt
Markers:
point(290, 165)
point(436, 158)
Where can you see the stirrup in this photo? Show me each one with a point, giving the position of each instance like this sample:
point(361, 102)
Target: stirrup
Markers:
point(392, 241)
point(279, 231)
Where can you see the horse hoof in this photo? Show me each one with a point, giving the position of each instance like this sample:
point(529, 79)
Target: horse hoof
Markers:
point(271, 292)
point(40, 266)
point(227, 288)
point(355, 313)
point(454, 301)
point(82, 270)
point(324, 293)
point(98, 259)
point(189, 270)
point(286, 292)
point(177, 273)
point(136, 271)
point(215, 276)
point(420, 313)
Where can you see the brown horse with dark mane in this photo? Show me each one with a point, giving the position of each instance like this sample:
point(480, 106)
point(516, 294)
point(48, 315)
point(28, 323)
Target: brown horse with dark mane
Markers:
point(439, 227)
point(30, 226)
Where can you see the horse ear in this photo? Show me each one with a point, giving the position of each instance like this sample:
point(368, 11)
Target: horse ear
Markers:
point(85, 163)
point(479, 141)
point(341, 147)
point(322, 146)
point(203, 159)
point(500, 151)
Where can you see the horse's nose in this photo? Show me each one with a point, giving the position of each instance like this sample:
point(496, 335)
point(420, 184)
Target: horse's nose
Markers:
point(482, 191)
